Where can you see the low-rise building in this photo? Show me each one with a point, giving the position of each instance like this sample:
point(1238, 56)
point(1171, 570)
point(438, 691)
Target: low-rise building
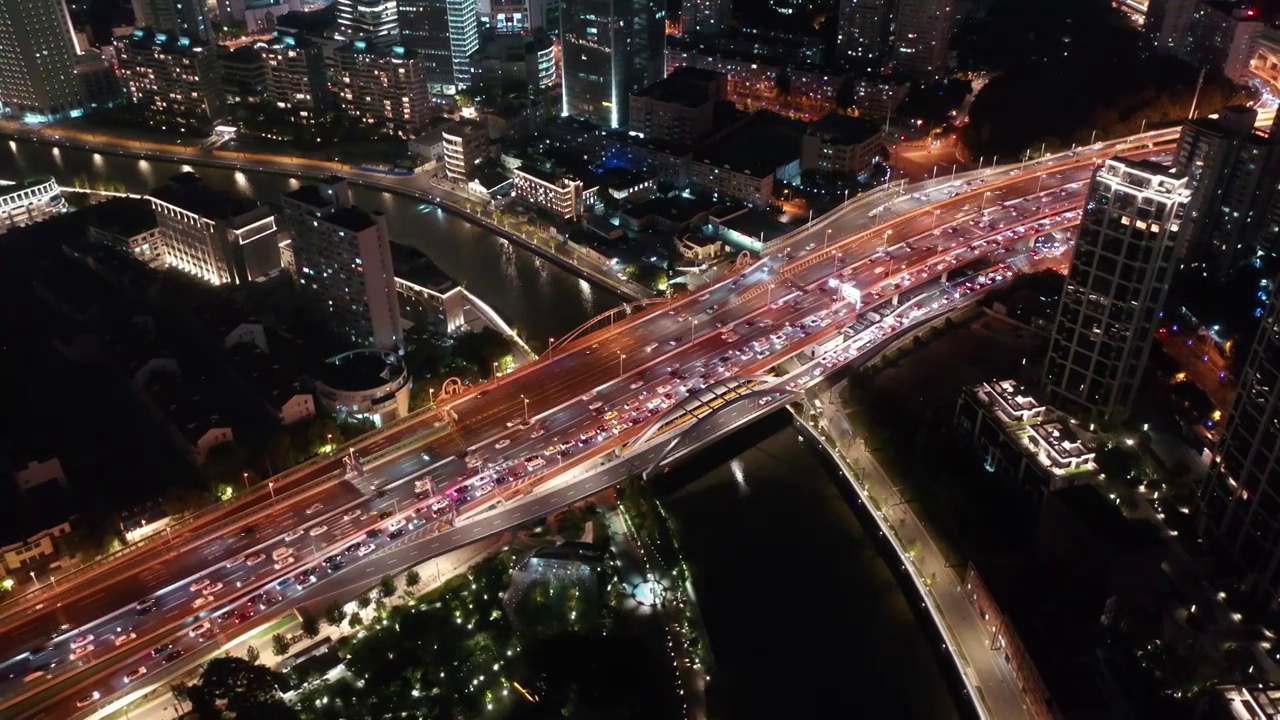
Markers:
point(560, 195)
point(466, 144)
point(877, 99)
point(838, 143)
point(679, 108)
point(743, 162)
point(1023, 441)
point(364, 384)
point(176, 81)
point(195, 424)
point(749, 229)
point(130, 224)
point(428, 295)
point(38, 471)
point(666, 161)
point(30, 201)
point(699, 248)
point(280, 391)
point(814, 86)
point(34, 550)
point(217, 236)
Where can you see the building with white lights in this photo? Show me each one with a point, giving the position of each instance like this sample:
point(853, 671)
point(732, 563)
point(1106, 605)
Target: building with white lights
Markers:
point(561, 196)
point(466, 143)
point(862, 34)
point(364, 384)
point(1127, 249)
point(1223, 36)
point(177, 81)
point(839, 143)
point(130, 224)
point(446, 31)
point(705, 17)
point(515, 63)
point(30, 202)
point(377, 22)
point(38, 52)
point(385, 88)
point(216, 236)
point(185, 18)
point(342, 256)
point(922, 38)
point(610, 49)
point(743, 162)
point(296, 79)
point(521, 17)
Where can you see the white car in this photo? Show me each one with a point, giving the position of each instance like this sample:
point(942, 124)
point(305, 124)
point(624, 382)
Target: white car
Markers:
point(136, 673)
point(588, 396)
point(285, 562)
point(636, 384)
point(199, 629)
point(351, 514)
point(308, 581)
point(211, 589)
point(254, 559)
point(81, 641)
point(125, 636)
point(596, 405)
point(234, 561)
point(88, 700)
point(364, 549)
point(315, 508)
point(201, 601)
point(82, 650)
point(537, 433)
point(484, 489)
point(199, 584)
point(396, 524)
point(294, 534)
point(440, 504)
point(502, 443)
point(317, 530)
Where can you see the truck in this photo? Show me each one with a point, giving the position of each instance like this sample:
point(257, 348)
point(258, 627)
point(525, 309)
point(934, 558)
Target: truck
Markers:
point(422, 485)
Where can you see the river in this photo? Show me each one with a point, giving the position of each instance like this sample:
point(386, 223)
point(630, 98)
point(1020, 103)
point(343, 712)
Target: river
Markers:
point(541, 300)
point(805, 618)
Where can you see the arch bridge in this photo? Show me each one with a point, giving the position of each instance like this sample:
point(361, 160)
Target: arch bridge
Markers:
point(605, 319)
point(691, 422)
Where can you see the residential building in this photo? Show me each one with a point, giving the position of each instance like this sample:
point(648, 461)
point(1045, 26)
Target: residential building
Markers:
point(862, 34)
point(705, 17)
point(1240, 500)
point(258, 16)
point(814, 86)
point(1167, 24)
point(699, 248)
point(343, 257)
point(176, 17)
point(751, 78)
point(610, 49)
point(510, 63)
point(922, 39)
point(244, 74)
point(1232, 171)
point(560, 195)
point(1222, 37)
point(98, 81)
point(38, 471)
point(839, 143)
point(466, 143)
point(364, 384)
point(388, 89)
point(266, 380)
point(877, 99)
point(216, 236)
point(176, 81)
point(30, 201)
point(679, 108)
point(130, 224)
point(296, 80)
point(38, 49)
point(1126, 252)
point(34, 550)
point(376, 22)
point(743, 162)
point(667, 161)
point(194, 420)
point(446, 31)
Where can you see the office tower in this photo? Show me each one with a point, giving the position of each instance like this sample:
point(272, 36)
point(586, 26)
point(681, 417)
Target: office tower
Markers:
point(217, 236)
point(388, 89)
point(176, 81)
point(862, 34)
point(1167, 23)
point(374, 21)
point(1232, 172)
point(296, 80)
point(343, 257)
point(1240, 501)
point(447, 32)
point(1126, 252)
point(517, 17)
point(922, 38)
point(611, 48)
point(705, 17)
point(38, 50)
point(178, 17)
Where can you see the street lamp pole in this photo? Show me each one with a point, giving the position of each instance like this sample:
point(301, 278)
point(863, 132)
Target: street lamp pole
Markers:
point(246, 480)
point(826, 239)
point(934, 224)
point(271, 485)
point(620, 358)
point(693, 328)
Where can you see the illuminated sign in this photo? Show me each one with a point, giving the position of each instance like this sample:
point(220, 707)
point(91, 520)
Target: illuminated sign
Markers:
point(849, 292)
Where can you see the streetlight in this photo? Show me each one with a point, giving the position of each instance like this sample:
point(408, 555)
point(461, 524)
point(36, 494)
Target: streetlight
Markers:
point(887, 233)
point(271, 485)
point(935, 220)
point(983, 207)
point(495, 369)
point(431, 396)
point(620, 358)
point(693, 328)
point(526, 407)
point(246, 480)
point(826, 239)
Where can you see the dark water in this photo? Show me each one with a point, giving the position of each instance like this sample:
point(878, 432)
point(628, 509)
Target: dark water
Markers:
point(537, 298)
point(805, 618)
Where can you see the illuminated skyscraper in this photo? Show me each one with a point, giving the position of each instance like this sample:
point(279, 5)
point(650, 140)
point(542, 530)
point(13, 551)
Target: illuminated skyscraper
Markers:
point(1126, 251)
point(611, 48)
point(862, 38)
point(922, 38)
point(37, 61)
point(180, 17)
point(447, 32)
point(374, 21)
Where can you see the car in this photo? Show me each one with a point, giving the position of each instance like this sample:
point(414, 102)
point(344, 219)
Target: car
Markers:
point(351, 514)
point(244, 615)
point(211, 589)
point(135, 673)
point(537, 433)
point(82, 650)
point(502, 443)
point(145, 606)
point(248, 530)
point(385, 514)
point(285, 562)
point(173, 656)
point(705, 296)
point(318, 530)
point(159, 650)
point(307, 581)
point(283, 583)
point(596, 405)
point(315, 507)
point(234, 561)
point(487, 488)
point(224, 616)
point(398, 532)
point(199, 629)
point(199, 584)
point(587, 396)
point(125, 636)
point(294, 534)
point(81, 640)
point(254, 559)
point(365, 549)
point(636, 384)
point(201, 601)
point(88, 700)
point(441, 503)
point(336, 565)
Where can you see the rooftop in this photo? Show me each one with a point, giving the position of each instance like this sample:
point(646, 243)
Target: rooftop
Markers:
point(318, 22)
point(185, 405)
point(1105, 519)
point(124, 217)
point(352, 218)
point(413, 266)
point(1253, 702)
point(189, 192)
point(1050, 439)
point(838, 128)
point(679, 209)
point(360, 370)
point(310, 195)
point(758, 146)
point(755, 224)
point(168, 42)
point(687, 86)
point(276, 384)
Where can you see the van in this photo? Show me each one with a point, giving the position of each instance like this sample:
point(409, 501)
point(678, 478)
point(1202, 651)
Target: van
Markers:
point(281, 553)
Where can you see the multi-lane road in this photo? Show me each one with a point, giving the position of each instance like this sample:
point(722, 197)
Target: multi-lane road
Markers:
point(581, 403)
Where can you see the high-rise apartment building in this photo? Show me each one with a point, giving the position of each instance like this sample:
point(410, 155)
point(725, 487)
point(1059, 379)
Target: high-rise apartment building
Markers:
point(610, 49)
point(177, 17)
point(385, 88)
point(679, 108)
point(1126, 252)
point(447, 32)
point(1167, 24)
point(705, 17)
point(216, 236)
point(1240, 501)
point(922, 38)
point(376, 22)
point(862, 34)
point(343, 256)
point(38, 51)
point(1232, 172)
point(296, 79)
point(176, 81)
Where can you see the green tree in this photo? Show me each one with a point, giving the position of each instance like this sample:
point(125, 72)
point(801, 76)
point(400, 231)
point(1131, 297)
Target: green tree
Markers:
point(279, 644)
point(364, 601)
point(480, 350)
point(251, 654)
point(322, 432)
point(280, 453)
point(240, 687)
point(412, 579)
point(310, 623)
point(334, 614)
point(227, 464)
point(182, 499)
point(387, 586)
point(571, 524)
